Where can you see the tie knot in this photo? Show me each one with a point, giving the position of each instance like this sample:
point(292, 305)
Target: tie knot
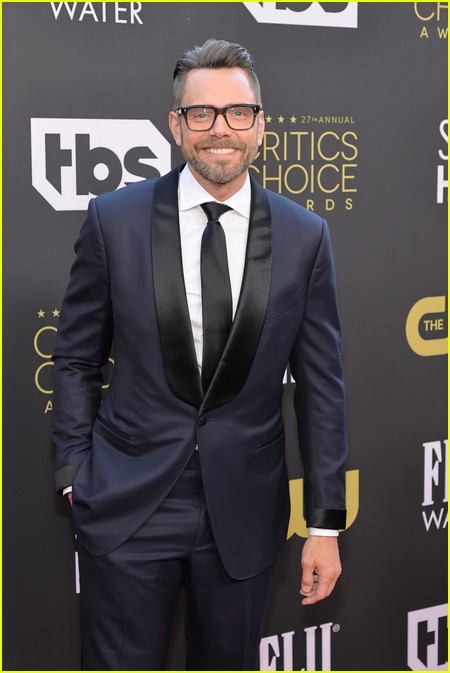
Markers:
point(214, 210)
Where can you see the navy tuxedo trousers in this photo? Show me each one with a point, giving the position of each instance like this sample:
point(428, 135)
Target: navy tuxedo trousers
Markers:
point(129, 596)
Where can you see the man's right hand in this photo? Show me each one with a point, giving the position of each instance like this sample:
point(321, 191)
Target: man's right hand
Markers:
point(69, 495)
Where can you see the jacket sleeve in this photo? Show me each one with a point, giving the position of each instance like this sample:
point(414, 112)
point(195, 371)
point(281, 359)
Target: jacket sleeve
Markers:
point(82, 347)
point(319, 397)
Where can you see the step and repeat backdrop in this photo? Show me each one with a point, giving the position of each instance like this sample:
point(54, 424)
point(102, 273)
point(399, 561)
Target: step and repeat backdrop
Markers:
point(355, 102)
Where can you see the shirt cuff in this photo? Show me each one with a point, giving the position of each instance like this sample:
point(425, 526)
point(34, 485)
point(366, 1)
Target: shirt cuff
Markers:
point(323, 532)
point(67, 490)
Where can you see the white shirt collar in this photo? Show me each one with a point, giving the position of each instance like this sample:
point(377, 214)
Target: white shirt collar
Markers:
point(192, 194)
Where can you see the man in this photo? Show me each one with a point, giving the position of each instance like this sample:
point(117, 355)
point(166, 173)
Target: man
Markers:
point(179, 478)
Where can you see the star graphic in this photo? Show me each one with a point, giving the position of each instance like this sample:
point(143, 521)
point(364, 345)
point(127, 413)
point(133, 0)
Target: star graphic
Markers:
point(281, 119)
point(41, 313)
point(293, 119)
point(56, 313)
point(268, 119)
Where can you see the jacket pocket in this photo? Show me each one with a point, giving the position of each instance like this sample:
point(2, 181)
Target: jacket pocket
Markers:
point(112, 428)
point(265, 445)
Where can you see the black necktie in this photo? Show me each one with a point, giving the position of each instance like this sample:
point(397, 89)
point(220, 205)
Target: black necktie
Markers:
point(216, 291)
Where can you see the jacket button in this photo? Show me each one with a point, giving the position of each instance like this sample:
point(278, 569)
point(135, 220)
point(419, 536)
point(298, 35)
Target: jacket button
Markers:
point(202, 420)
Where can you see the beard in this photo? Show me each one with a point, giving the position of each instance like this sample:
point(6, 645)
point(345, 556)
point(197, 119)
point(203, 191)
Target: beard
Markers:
point(221, 172)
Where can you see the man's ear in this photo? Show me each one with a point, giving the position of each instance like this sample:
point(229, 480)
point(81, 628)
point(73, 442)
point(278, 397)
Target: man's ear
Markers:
point(175, 126)
point(261, 125)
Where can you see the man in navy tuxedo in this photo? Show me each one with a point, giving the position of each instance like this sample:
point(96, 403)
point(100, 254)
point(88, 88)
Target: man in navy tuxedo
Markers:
point(178, 479)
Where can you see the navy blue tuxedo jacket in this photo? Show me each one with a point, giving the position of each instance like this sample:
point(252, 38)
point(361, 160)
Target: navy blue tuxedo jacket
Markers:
point(123, 456)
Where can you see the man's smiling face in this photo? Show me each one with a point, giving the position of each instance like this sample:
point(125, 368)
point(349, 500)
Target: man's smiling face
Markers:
point(221, 155)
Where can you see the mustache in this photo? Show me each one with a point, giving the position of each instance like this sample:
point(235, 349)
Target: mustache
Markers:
point(226, 142)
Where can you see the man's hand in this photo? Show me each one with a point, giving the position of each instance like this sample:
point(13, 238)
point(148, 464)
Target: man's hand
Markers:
point(321, 568)
point(69, 495)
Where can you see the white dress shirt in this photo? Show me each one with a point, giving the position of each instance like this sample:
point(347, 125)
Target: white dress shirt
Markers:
point(192, 225)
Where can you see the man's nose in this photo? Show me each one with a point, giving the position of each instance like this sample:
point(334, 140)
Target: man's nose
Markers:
point(220, 127)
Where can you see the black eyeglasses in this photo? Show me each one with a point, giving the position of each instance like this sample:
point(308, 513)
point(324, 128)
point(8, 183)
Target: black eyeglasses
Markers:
point(203, 117)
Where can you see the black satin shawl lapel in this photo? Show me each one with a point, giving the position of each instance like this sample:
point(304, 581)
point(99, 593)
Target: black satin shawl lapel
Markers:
point(243, 341)
point(177, 343)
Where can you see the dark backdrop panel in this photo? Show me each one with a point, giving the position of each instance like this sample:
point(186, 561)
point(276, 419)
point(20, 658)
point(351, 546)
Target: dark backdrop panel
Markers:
point(356, 129)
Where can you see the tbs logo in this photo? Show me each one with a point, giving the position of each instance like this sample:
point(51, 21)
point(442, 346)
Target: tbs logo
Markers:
point(326, 14)
point(73, 160)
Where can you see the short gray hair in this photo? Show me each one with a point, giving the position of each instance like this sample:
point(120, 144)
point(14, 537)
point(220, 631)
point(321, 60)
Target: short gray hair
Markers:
point(214, 54)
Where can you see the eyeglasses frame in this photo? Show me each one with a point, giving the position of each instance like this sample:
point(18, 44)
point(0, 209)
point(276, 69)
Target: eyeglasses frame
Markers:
point(219, 111)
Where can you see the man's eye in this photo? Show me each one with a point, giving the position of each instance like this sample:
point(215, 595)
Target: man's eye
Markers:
point(241, 113)
point(201, 114)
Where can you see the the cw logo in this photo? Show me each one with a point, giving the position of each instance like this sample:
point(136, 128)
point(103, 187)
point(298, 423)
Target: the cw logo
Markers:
point(425, 325)
point(297, 523)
